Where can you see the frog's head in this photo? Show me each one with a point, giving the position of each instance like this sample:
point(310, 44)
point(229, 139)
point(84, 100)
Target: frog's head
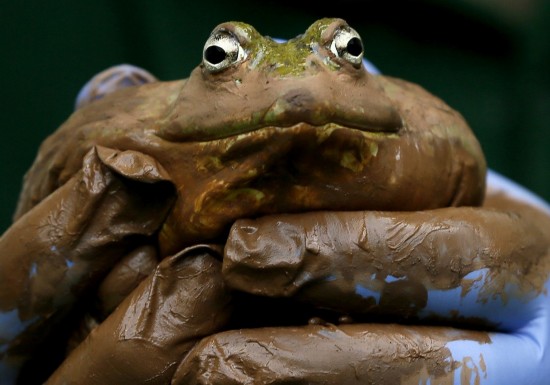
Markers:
point(263, 127)
point(247, 81)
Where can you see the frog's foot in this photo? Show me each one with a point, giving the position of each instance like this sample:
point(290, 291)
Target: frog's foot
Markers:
point(110, 80)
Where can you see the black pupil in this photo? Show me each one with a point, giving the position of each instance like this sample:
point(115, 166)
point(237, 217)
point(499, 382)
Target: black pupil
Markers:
point(214, 54)
point(354, 46)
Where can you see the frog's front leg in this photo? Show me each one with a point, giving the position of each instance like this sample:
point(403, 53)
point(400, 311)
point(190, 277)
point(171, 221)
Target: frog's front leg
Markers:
point(54, 254)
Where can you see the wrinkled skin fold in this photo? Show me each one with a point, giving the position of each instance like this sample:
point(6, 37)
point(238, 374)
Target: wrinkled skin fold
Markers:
point(334, 228)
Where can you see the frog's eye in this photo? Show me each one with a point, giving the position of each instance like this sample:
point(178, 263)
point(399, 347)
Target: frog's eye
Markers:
point(347, 44)
point(222, 49)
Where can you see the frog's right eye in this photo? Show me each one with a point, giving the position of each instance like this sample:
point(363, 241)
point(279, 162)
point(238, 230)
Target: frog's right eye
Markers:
point(222, 50)
point(347, 45)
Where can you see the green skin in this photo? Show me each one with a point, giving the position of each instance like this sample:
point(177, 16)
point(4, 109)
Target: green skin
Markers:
point(291, 118)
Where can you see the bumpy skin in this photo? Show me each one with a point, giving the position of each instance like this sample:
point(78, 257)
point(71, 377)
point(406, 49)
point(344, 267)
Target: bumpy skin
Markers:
point(120, 198)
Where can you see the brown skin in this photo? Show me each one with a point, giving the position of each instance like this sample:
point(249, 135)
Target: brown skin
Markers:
point(288, 128)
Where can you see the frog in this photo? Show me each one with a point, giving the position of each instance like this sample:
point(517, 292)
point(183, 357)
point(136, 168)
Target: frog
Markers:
point(154, 174)
point(373, 119)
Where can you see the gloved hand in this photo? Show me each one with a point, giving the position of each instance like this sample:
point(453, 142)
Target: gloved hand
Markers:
point(480, 274)
point(450, 296)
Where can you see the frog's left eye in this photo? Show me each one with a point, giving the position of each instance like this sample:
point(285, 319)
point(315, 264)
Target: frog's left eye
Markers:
point(347, 45)
point(222, 49)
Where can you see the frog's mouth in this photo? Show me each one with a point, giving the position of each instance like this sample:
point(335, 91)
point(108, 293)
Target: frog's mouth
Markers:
point(287, 111)
point(360, 104)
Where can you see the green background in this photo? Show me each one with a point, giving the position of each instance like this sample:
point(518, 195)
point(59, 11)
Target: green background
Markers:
point(489, 59)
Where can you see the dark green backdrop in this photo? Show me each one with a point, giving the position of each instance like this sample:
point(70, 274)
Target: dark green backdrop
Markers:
point(489, 59)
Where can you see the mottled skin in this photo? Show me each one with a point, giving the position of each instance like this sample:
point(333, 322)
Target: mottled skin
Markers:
point(291, 118)
point(285, 128)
